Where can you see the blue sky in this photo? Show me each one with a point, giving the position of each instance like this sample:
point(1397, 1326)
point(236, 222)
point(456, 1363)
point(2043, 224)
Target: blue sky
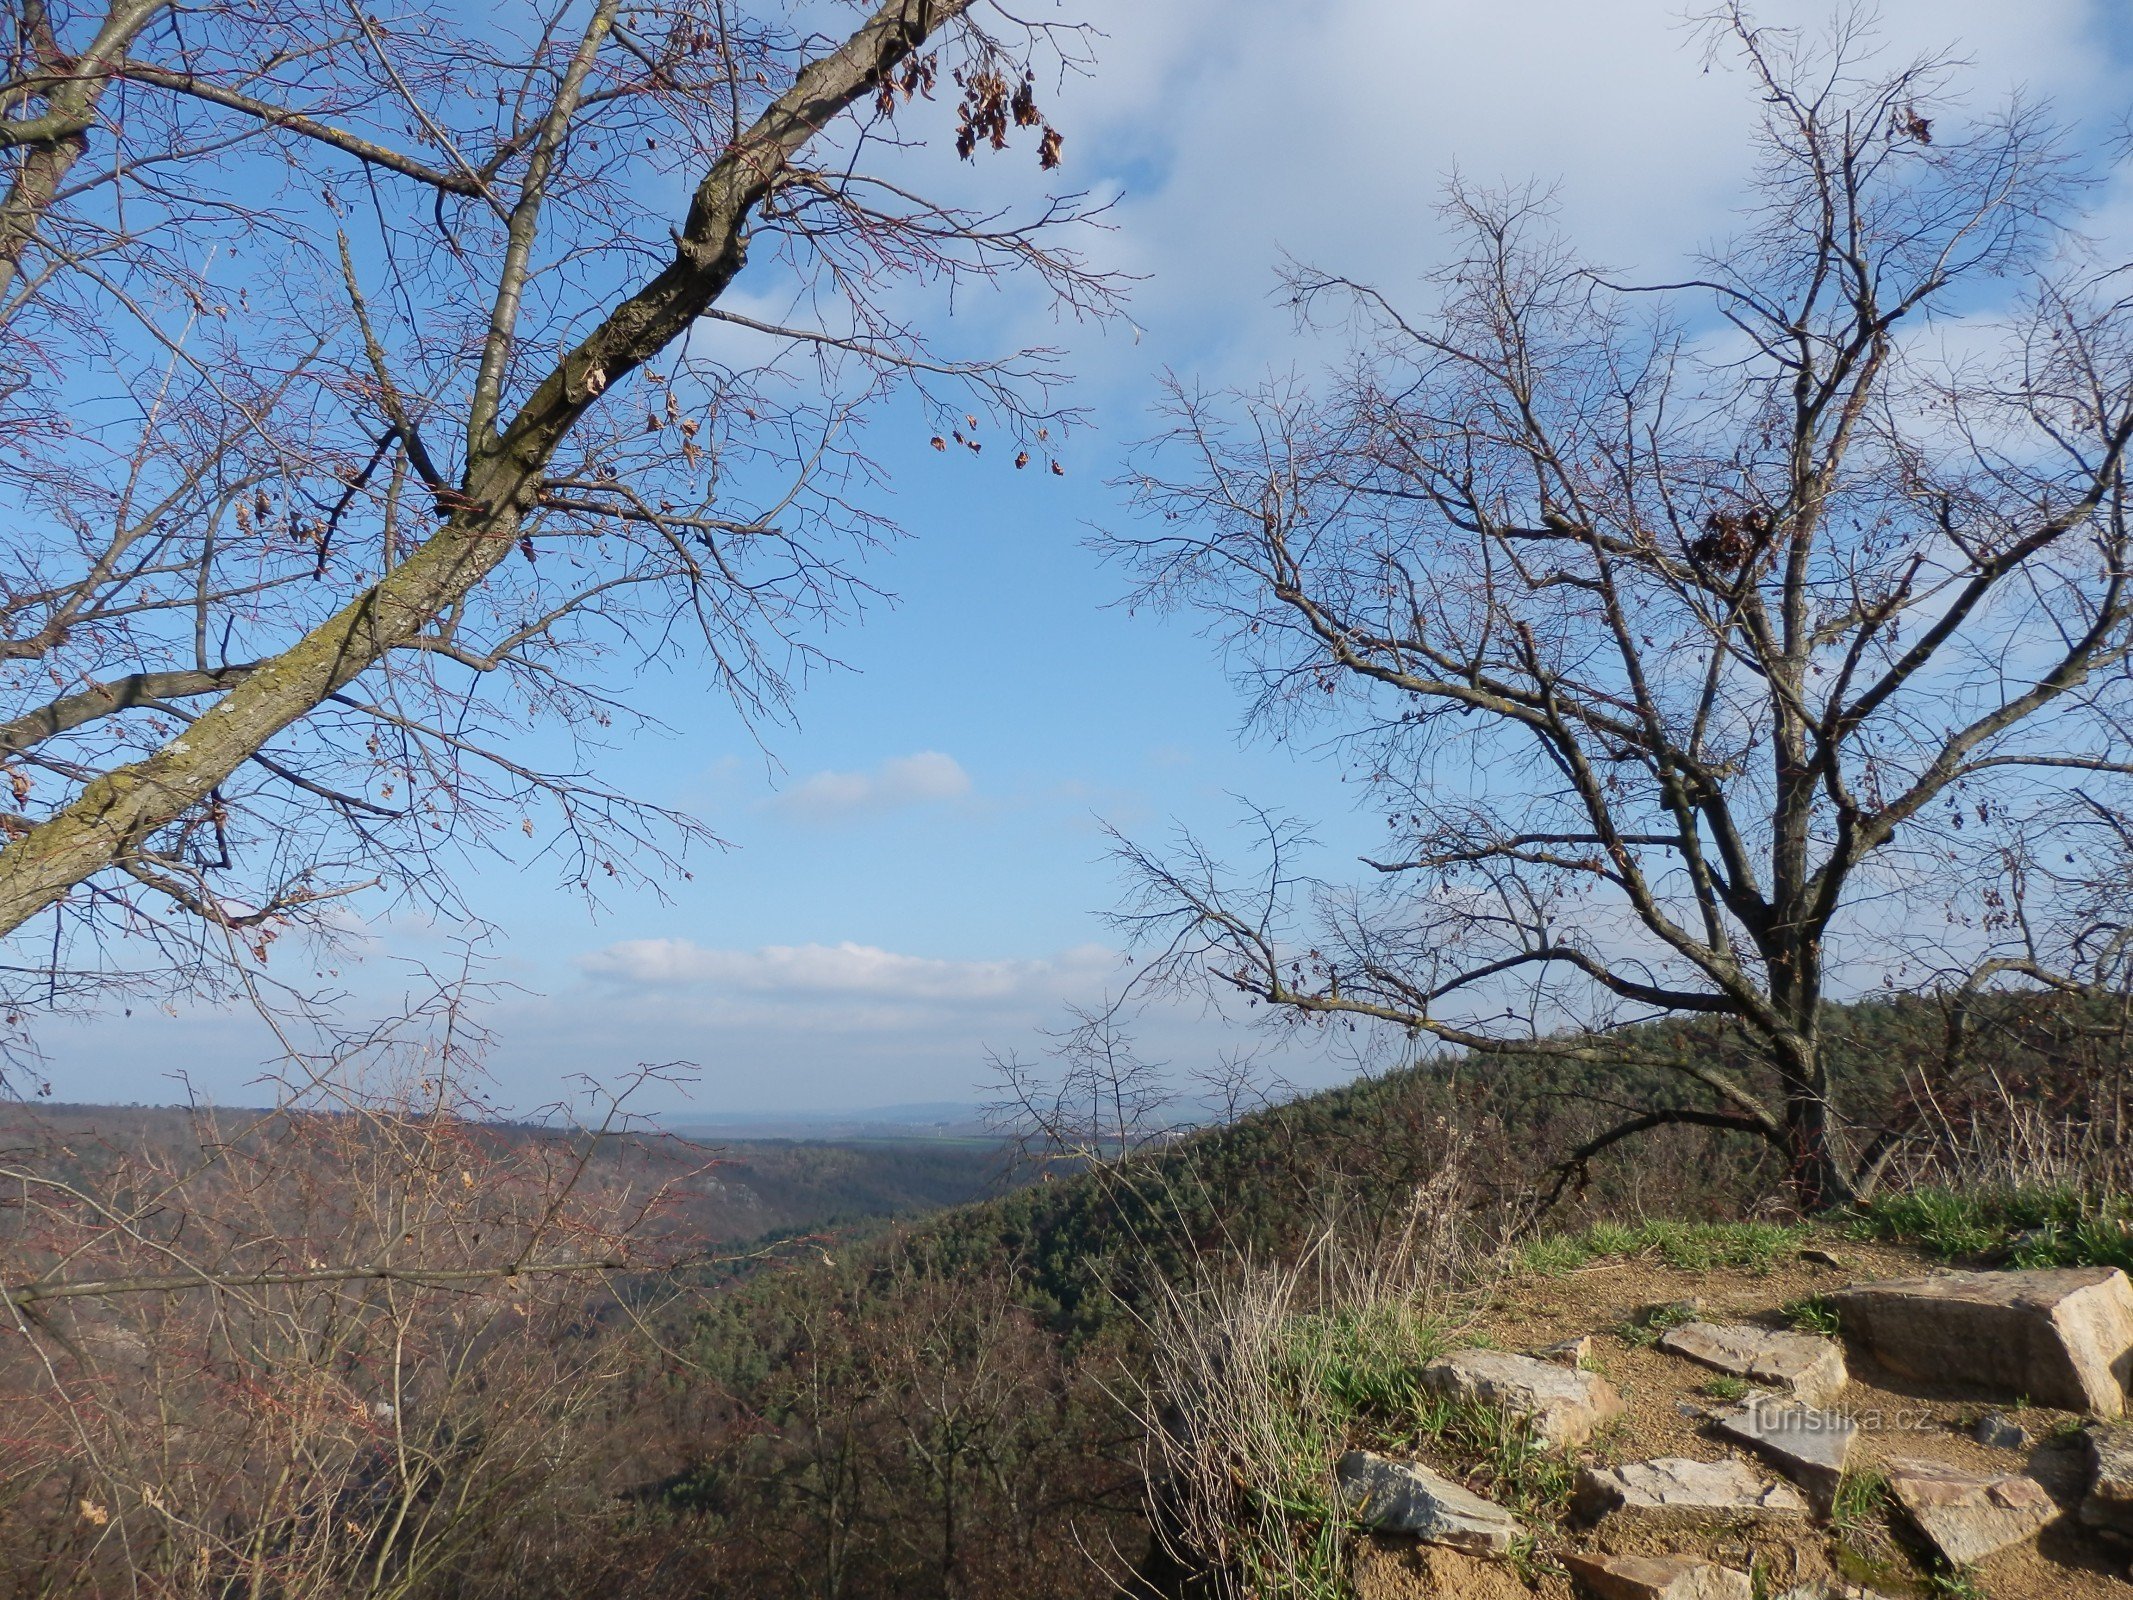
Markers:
point(917, 869)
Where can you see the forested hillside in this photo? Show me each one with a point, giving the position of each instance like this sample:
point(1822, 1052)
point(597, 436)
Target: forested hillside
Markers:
point(953, 1408)
point(729, 1193)
point(961, 1402)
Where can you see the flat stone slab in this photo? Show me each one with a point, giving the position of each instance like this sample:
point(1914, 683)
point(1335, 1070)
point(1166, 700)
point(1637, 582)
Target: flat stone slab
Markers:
point(2061, 1336)
point(1563, 1404)
point(1388, 1495)
point(2109, 1502)
point(1675, 1490)
point(1658, 1578)
point(1968, 1516)
point(1798, 1363)
point(1809, 1446)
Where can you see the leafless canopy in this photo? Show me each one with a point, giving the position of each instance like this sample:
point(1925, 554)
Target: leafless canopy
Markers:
point(1704, 645)
point(370, 397)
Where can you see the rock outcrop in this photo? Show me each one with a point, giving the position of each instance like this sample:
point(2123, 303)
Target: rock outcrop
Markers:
point(1388, 1495)
point(2061, 1337)
point(1658, 1578)
point(1966, 1516)
point(1675, 1491)
point(1810, 1369)
point(1809, 1446)
point(1563, 1404)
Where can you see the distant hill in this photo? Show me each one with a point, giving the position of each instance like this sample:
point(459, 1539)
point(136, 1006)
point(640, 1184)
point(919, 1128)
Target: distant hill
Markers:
point(764, 1184)
point(932, 1119)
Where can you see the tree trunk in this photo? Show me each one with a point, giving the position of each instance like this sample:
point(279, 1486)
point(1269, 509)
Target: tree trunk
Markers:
point(1819, 1176)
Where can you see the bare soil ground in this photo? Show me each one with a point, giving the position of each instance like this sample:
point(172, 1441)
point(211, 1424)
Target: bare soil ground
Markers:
point(1671, 1402)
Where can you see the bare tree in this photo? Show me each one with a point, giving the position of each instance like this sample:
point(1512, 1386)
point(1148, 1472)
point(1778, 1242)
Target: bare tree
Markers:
point(372, 396)
point(1704, 645)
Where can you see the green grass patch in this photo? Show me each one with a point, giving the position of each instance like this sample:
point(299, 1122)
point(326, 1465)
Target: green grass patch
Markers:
point(2028, 1227)
point(1352, 1378)
point(1862, 1499)
point(1690, 1246)
point(1724, 1388)
point(1814, 1313)
point(1647, 1325)
point(1340, 1378)
point(1364, 1365)
point(1514, 1467)
point(1955, 1583)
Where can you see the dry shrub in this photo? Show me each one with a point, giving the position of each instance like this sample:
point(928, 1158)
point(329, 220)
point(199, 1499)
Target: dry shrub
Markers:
point(1261, 1372)
point(367, 1344)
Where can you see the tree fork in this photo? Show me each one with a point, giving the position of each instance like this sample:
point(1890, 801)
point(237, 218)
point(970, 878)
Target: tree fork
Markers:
point(502, 483)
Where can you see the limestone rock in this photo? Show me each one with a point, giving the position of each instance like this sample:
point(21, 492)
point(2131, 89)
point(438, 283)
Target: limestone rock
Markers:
point(2108, 1506)
point(1674, 1490)
point(1798, 1363)
point(1658, 1578)
point(1809, 1446)
point(1385, 1568)
point(1568, 1352)
point(2062, 1336)
point(2000, 1431)
point(1565, 1405)
point(1966, 1516)
point(1392, 1496)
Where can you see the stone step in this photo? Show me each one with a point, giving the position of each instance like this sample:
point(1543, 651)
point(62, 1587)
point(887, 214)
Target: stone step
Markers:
point(1968, 1516)
point(1801, 1364)
point(1388, 1495)
point(2059, 1336)
point(1563, 1404)
point(1658, 1578)
point(1674, 1491)
point(1811, 1447)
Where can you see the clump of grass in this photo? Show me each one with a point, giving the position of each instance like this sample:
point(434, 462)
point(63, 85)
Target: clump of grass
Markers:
point(1866, 1553)
point(1814, 1313)
point(1516, 1469)
point(1862, 1500)
point(1646, 1327)
point(1364, 1362)
point(1955, 1583)
point(1690, 1246)
point(1724, 1388)
point(2027, 1227)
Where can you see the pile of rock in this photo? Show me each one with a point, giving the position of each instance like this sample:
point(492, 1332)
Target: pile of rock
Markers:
point(2059, 1337)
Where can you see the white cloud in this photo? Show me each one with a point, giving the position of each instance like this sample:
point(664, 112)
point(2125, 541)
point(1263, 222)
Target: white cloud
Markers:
point(927, 777)
point(769, 1002)
point(856, 971)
